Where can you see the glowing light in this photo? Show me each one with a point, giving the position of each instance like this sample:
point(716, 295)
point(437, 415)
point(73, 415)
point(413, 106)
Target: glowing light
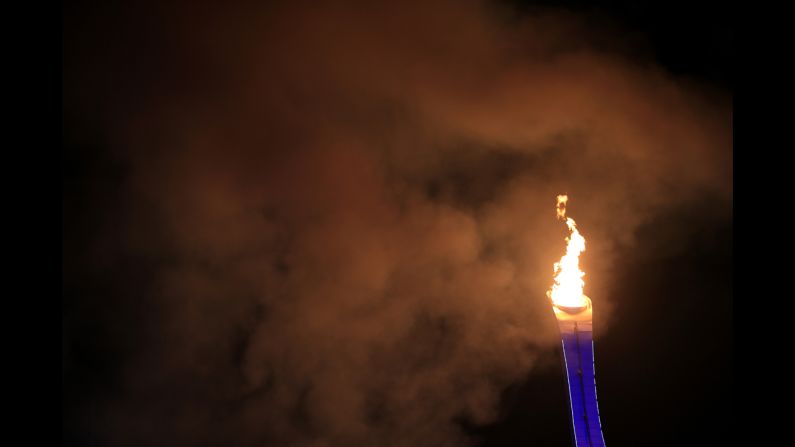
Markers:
point(567, 289)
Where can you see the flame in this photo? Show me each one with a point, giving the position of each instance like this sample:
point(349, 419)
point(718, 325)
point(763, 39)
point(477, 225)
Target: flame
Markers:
point(567, 290)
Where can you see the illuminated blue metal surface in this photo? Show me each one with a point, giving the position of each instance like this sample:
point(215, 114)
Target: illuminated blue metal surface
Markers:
point(579, 362)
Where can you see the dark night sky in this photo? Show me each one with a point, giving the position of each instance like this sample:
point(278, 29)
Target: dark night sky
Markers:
point(188, 322)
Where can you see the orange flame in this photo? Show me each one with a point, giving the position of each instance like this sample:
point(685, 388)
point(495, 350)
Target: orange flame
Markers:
point(567, 290)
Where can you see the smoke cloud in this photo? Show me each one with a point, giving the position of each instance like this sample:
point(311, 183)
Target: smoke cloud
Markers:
point(333, 224)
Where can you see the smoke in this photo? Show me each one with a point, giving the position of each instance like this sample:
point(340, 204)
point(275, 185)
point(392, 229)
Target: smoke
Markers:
point(334, 223)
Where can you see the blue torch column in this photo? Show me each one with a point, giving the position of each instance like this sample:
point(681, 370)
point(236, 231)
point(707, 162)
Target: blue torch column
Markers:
point(576, 332)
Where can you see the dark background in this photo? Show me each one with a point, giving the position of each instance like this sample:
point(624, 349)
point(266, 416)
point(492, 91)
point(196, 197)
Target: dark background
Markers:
point(664, 368)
